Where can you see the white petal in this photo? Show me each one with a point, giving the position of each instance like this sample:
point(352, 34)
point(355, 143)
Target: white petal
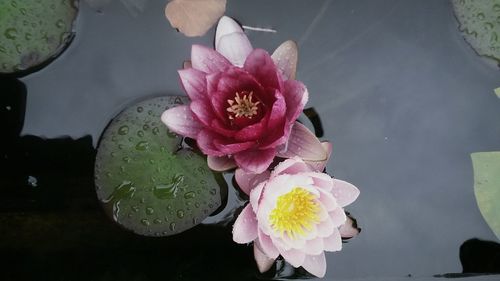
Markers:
point(226, 26)
point(235, 47)
point(286, 57)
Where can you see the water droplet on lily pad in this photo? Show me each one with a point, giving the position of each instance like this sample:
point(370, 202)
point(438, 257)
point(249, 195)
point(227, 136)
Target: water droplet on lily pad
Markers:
point(34, 32)
point(479, 22)
point(155, 155)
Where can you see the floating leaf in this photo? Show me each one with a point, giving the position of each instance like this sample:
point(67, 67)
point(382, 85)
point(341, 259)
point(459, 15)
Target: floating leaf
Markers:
point(34, 32)
point(194, 17)
point(480, 24)
point(146, 182)
point(487, 187)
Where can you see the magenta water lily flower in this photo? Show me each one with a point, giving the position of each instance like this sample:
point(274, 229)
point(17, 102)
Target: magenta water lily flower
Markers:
point(244, 103)
point(295, 212)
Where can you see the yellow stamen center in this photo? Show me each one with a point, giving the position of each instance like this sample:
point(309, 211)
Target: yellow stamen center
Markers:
point(242, 106)
point(295, 213)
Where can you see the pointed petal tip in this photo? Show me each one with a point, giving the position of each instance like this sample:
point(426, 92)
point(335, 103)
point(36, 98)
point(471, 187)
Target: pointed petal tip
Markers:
point(315, 265)
point(181, 120)
point(304, 144)
point(286, 58)
point(225, 26)
point(264, 263)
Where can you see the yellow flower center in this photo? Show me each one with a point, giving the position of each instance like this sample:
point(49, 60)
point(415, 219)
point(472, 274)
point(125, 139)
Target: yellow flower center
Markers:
point(295, 213)
point(242, 106)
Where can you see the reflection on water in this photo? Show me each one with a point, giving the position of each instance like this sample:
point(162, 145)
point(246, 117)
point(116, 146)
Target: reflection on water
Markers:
point(61, 218)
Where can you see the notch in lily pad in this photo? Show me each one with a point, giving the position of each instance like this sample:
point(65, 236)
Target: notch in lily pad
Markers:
point(146, 181)
point(34, 33)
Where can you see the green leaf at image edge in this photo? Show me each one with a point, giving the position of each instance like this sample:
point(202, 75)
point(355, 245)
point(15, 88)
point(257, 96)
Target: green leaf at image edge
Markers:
point(487, 187)
point(480, 24)
point(146, 181)
point(34, 32)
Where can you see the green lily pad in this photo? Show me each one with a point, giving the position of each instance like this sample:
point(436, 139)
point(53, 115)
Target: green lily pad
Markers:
point(34, 32)
point(487, 187)
point(480, 23)
point(146, 181)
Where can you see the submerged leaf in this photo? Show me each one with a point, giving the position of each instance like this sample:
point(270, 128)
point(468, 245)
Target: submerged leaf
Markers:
point(194, 17)
point(147, 183)
point(480, 24)
point(487, 187)
point(497, 92)
point(34, 32)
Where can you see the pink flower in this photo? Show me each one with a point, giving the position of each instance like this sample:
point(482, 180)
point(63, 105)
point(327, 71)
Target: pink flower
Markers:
point(294, 212)
point(244, 103)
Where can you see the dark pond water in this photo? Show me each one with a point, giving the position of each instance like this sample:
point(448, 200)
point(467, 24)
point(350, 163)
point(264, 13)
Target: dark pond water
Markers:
point(403, 97)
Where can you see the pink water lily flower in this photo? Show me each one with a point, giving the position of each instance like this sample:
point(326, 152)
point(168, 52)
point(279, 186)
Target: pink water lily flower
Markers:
point(295, 212)
point(244, 103)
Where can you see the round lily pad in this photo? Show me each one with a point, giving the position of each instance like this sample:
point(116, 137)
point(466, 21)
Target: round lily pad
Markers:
point(34, 32)
point(487, 187)
point(146, 181)
point(480, 24)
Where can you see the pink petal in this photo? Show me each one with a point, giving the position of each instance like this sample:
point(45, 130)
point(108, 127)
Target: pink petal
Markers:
point(296, 96)
point(276, 123)
point(321, 180)
point(293, 257)
point(347, 230)
point(325, 228)
point(304, 144)
point(220, 164)
point(255, 161)
point(314, 246)
point(338, 217)
point(208, 60)
point(344, 192)
point(205, 140)
point(327, 200)
point(235, 47)
point(290, 166)
point(232, 148)
point(247, 181)
point(245, 226)
point(266, 244)
point(286, 57)
point(333, 242)
point(264, 263)
point(182, 121)
point(203, 111)
point(320, 166)
point(255, 195)
point(218, 126)
point(225, 26)
point(260, 65)
point(315, 265)
point(252, 132)
point(194, 83)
